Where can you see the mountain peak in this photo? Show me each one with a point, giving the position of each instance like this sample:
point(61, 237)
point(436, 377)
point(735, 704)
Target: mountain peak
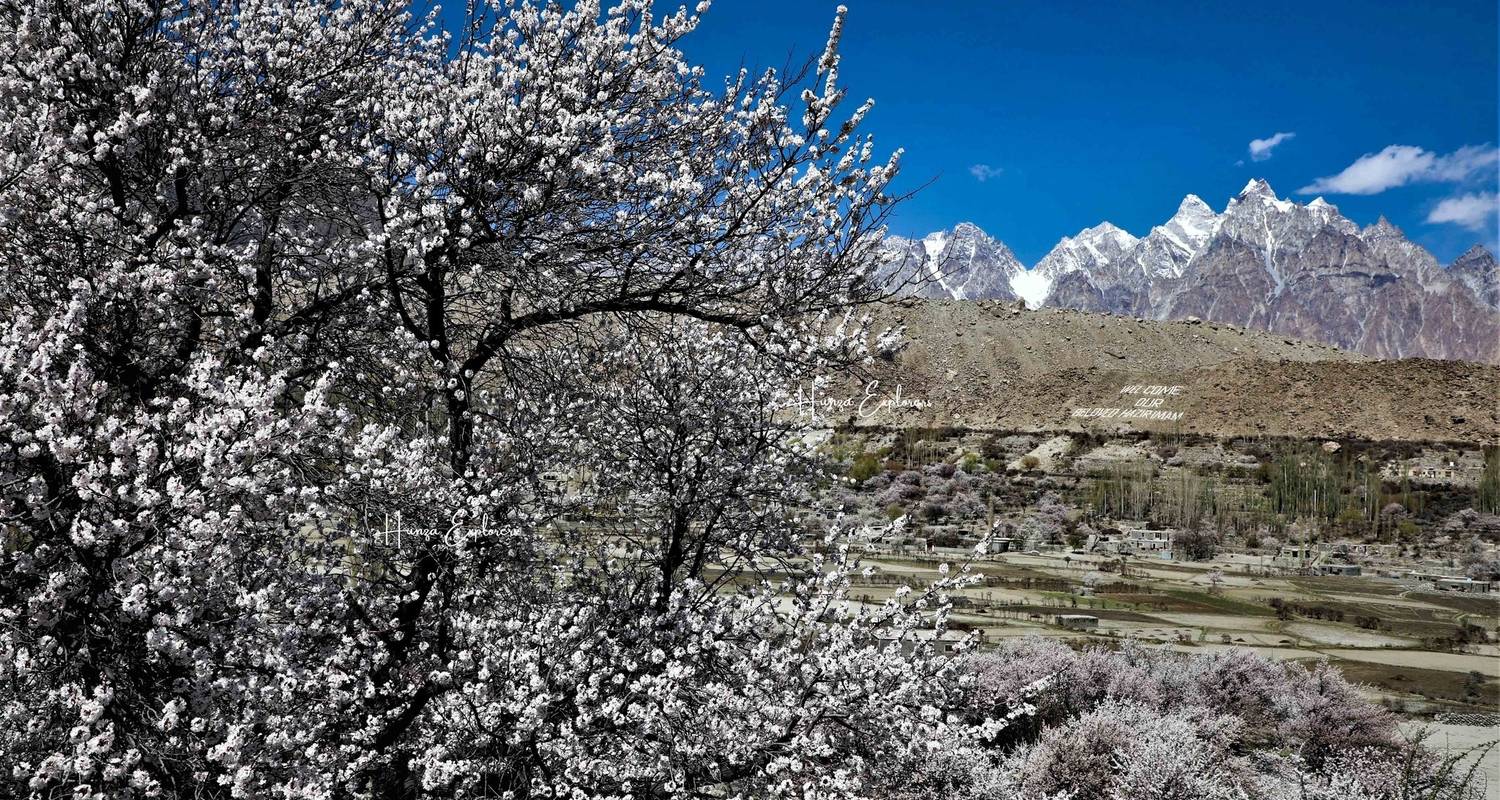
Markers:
point(1090, 250)
point(1193, 212)
point(1187, 232)
point(1477, 270)
point(1259, 188)
point(1194, 204)
point(1476, 253)
point(1383, 227)
point(1105, 230)
point(1329, 214)
point(1258, 194)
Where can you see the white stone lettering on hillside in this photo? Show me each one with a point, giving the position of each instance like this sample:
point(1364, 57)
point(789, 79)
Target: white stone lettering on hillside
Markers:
point(1147, 403)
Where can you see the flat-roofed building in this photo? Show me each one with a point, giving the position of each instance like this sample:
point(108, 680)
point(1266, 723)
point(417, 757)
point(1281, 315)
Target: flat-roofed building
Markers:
point(1463, 584)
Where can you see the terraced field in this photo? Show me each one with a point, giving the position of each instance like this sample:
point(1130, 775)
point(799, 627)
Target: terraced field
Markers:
point(1173, 605)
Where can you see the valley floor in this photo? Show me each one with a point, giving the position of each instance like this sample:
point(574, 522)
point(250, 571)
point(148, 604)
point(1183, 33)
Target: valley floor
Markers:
point(1176, 606)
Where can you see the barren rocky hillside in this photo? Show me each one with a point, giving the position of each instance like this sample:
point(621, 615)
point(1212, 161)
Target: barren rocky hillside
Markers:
point(995, 365)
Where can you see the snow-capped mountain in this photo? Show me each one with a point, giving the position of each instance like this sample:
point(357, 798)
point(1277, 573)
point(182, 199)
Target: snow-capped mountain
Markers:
point(962, 264)
point(1168, 248)
point(1264, 262)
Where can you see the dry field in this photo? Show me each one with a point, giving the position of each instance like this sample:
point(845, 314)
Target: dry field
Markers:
point(1175, 605)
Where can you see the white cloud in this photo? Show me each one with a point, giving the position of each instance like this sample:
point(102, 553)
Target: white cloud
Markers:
point(1401, 164)
point(983, 172)
point(1473, 211)
point(1260, 149)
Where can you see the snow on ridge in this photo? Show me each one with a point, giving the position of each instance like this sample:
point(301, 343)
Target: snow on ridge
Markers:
point(1031, 286)
point(1175, 239)
point(1192, 226)
point(1105, 252)
point(933, 244)
point(1257, 186)
point(1108, 230)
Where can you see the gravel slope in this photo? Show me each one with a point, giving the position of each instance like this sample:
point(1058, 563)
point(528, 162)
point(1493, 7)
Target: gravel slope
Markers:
point(993, 365)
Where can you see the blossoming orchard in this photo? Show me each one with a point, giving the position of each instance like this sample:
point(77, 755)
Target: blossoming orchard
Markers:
point(392, 412)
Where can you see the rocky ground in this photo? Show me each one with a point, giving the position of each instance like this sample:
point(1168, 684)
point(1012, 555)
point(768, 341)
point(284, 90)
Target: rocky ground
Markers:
point(994, 365)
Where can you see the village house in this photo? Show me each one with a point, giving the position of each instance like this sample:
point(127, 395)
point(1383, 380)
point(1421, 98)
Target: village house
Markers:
point(1361, 549)
point(1077, 622)
point(1103, 543)
point(1451, 583)
point(1296, 555)
point(1462, 584)
point(942, 645)
point(1155, 544)
point(1463, 469)
point(1150, 542)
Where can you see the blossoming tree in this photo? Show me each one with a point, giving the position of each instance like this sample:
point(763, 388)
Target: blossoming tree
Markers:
point(309, 305)
point(389, 413)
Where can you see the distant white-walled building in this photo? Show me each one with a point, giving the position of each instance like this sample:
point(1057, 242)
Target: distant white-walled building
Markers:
point(1151, 543)
point(1296, 555)
point(1360, 549)
point(1462, 469)
point(1462, 584)
point(1138, 541)
point(1451, 583)
point(942, 644)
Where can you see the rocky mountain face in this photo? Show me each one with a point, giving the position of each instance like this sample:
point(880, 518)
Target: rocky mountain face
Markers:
point(961, 264)
point(1476, 269)
point(1266, 263)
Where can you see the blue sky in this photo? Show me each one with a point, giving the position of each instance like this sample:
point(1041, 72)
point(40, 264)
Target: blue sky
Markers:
point(1084, 111)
